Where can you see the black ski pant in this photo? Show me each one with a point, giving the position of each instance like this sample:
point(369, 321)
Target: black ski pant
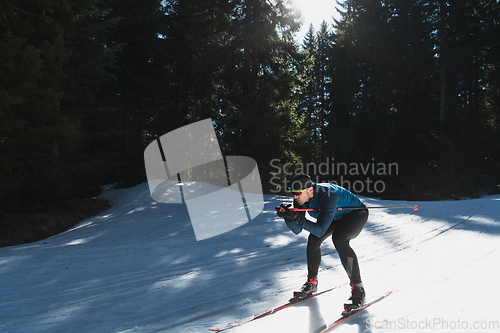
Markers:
point(342, 231)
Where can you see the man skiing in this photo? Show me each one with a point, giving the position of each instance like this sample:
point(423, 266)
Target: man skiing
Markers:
point(342, 225)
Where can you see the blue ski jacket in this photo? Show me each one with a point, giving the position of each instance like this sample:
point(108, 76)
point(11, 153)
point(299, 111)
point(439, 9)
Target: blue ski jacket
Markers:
point(327, 197)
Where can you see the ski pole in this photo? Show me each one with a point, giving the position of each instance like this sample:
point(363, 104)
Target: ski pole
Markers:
point(373, 207)
point(347, 208)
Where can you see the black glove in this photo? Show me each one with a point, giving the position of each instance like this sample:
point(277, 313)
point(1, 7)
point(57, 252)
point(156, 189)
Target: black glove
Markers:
point(286, 212)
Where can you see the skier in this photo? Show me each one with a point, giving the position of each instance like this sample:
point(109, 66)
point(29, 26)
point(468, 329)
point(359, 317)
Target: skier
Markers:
point(342, 225)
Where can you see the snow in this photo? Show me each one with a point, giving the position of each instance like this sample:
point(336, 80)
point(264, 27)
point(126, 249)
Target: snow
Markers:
point(138, 268)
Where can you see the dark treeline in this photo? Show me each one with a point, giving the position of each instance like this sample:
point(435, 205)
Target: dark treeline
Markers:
point(409, 82)
point(86, 85)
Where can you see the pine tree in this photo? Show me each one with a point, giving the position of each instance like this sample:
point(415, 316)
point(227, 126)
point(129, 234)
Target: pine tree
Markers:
point(375, 42)
point(140, 79)
point(308, 94)
point(323, 69)
point(466, 52)
point(314, 103)
point(45, 70)
point(416, 79)
point(237, 63)
point(269, 66)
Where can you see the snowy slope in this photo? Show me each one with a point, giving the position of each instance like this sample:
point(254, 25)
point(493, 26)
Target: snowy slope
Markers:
point(138, 268)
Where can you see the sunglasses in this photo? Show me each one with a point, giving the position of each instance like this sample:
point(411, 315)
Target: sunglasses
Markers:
point(296, 192)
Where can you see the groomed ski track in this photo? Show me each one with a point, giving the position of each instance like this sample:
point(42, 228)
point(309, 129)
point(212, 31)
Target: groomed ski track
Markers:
point(138, 268)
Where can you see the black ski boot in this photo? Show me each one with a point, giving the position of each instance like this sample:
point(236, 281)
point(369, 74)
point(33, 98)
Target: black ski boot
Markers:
point(357, 298)
point(309, 288)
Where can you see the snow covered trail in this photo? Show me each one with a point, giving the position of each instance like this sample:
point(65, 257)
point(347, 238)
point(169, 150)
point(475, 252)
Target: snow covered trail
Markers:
point(138, 268)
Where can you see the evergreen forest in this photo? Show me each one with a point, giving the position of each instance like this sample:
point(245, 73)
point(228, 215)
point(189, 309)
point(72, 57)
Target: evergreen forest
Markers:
point(86, 85)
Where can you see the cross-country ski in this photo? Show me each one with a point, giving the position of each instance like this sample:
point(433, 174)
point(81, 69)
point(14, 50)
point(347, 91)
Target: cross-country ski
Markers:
point(347, 313)
point(292, 301)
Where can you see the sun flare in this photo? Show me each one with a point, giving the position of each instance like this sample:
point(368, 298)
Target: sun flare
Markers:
point(314, 12)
